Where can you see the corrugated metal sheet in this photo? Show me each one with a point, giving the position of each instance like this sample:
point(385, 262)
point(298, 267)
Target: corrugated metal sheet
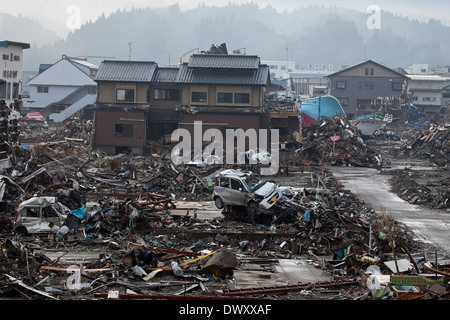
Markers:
point(244, 77)
point(224, 61)
point(126, 71)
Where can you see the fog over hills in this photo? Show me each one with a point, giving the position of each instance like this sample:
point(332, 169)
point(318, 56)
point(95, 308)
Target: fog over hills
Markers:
point(312, 34)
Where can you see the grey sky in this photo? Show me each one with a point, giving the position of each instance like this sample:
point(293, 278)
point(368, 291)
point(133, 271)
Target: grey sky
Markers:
point(62, 15)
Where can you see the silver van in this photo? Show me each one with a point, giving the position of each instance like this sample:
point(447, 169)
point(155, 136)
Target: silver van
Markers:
point(238, 188)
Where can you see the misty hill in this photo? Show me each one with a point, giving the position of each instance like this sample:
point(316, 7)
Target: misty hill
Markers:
point(22, 29)
point(312, 34)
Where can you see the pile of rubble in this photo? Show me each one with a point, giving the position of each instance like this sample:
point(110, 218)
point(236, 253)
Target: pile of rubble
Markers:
point(430, 143)
point(334, 142)
point(115, 230)
point(138, 249)
point(408, 189)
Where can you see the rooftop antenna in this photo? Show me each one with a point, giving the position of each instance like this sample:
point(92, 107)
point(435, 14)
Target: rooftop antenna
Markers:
point(129, 50)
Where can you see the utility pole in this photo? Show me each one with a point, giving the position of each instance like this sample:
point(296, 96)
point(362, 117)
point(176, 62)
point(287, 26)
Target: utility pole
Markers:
point(129, 50)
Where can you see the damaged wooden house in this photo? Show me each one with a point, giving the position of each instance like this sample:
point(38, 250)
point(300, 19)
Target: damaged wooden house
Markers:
point(139, 102)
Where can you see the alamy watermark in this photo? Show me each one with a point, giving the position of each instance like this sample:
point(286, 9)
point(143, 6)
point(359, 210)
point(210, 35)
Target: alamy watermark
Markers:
point(374, 20)
point(251, 147)
point(73, 22)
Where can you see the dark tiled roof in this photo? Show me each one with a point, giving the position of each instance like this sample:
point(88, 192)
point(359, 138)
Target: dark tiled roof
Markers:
point(224, 61)
point(223, 77)
point(166, 75)
point(126, 71)
point(201, 69)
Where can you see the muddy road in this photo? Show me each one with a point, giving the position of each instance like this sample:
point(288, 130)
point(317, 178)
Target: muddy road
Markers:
point(429, 226)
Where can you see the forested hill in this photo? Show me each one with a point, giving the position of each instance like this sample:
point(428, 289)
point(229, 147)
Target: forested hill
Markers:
point(312, 35)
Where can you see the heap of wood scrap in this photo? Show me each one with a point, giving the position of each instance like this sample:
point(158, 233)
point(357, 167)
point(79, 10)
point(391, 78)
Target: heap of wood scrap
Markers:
point(334, 142)
point(430, 143)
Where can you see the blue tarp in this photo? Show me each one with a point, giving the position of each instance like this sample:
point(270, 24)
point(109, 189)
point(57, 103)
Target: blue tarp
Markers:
point(79, 213)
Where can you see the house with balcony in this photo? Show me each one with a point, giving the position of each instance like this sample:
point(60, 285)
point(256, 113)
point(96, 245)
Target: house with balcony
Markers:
point(62, 89)
point(139, 102)
point(123, 106)
point(367, 87)
point(223, 91)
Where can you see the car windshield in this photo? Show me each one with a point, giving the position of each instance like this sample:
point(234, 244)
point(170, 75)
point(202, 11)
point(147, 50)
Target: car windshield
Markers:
point(253, 183)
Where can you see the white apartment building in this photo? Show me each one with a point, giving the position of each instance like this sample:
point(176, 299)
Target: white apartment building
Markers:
point(426, 92)
point(11, 54)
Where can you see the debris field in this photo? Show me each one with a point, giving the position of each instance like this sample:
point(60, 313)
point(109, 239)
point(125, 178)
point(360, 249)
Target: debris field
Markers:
point(139, 227)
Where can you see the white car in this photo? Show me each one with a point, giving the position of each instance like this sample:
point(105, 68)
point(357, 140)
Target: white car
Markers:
point(40, 215)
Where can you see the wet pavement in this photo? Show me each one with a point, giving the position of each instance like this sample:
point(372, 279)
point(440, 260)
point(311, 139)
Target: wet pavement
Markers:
point(429, 226)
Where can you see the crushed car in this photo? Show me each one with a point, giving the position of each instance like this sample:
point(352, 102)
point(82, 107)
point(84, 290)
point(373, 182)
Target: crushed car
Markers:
point(244, 189)
point(40, 215)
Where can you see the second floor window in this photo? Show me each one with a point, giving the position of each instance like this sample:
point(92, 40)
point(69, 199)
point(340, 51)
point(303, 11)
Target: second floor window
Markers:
point(341, 84)
point(167, 94)
point(199, 96)
point(241, 98)
point(125, 95)
point(42, 89)
point(224, 97)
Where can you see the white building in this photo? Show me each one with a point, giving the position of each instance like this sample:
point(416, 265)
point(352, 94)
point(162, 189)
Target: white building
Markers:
point(418, 68)
point(279, 69)
point(11, 53)
point(426, 92)
point(62, 89)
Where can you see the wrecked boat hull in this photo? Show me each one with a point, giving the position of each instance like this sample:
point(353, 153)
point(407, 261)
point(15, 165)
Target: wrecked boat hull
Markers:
point(316, 108)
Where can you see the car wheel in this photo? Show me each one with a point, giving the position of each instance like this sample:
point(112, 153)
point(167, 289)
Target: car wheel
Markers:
point(218, 202)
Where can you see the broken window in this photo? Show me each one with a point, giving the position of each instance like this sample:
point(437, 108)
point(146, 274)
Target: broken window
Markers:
point(199, 96)
point(224, 182)
point(241, 98)
point(125, 95)
point(123, 130)
point(31, 212)
point(224, 97)
point(236, 184)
